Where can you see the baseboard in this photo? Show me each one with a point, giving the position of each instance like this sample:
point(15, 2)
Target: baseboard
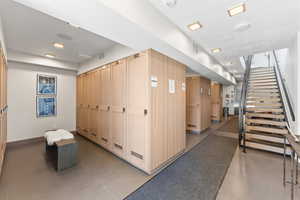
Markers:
point(24, 142)
point(29, 141)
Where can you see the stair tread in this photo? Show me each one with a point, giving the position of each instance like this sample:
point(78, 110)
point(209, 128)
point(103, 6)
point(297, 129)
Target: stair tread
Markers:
point(263, 84)
point(262, 78)
point(262, 81)
point(265, 134)
point(266, 122)
point(265, 104)
point(269, 116)
point(262, 95)
point(262, 101)
point(254, 109)
point(265, 142)
point(267, 129)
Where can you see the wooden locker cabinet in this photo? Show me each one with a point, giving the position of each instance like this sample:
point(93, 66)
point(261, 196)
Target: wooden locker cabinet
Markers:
point(3, 106)
point(217, 102)
point(198, 105)
point(141, 117)
point(118, 107)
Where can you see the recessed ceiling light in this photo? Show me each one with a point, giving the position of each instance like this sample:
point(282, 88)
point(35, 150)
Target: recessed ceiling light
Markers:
point(194, 26)
point(49, 55)
point(237, 9)
point(216, 50)
point(58, 45)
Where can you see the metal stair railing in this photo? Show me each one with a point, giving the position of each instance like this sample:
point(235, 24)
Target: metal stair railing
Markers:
point(285, 98)
point(242, 108)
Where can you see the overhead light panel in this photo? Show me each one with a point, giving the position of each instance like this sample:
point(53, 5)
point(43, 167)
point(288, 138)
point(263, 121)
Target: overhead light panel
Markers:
point(58, 45)
point(194, 26)
point(49, 55)
point(238, 9)
point(216, 50)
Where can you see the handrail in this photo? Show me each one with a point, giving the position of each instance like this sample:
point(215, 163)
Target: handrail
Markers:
point(285, 90)
point(243, 101)
point(292, 133)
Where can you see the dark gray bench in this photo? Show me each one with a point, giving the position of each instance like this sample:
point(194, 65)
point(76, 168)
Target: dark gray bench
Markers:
point(63, 154)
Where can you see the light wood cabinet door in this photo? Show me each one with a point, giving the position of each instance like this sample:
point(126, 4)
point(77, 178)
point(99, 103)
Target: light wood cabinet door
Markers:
point(105, 107)
point(181, 108)
point(171, 107)
point(118, 107)
point(137, 109)
point(158, 78)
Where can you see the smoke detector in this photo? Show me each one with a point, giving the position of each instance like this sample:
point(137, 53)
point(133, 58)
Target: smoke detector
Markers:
point(170, 3)
point(242, 27)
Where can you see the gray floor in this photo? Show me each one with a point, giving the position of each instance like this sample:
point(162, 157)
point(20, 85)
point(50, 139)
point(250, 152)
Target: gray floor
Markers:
point(256, 175)
point(197, 175)
point(99, 175)
point(27, 176)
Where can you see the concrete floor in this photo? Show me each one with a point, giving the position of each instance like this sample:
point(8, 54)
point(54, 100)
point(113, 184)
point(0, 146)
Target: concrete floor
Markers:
point(27, 175)
point(256, 175)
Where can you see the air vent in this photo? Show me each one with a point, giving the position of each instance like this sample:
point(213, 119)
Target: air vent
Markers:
point(64, 36)
point(242, 27)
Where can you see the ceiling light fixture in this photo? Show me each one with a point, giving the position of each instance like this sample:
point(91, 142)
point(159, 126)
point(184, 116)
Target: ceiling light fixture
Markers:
point(58, 45)
point(194, 26)
point(237, 9)
point(216, 50)
point(49, 55)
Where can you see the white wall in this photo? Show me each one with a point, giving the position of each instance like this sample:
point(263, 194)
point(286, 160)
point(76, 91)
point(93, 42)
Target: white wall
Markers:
point(291, 74)
point(22, 120)
point(2, 38)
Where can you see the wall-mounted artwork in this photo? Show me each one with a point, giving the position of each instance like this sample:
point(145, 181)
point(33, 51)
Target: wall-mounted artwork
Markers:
point(46, 106)
point(46, 85)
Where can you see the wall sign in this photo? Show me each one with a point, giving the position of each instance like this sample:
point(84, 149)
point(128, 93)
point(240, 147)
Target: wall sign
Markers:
point(171, 86)
point(154, 81)
point(183, 86)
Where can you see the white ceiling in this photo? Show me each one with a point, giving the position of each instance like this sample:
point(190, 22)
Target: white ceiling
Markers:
point(273, 24)
point(32, 32)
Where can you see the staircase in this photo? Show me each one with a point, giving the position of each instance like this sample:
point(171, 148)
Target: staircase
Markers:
point(265, 123)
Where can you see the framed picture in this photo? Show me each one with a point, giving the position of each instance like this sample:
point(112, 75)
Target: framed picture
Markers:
point(46, 85)
point(45, 106)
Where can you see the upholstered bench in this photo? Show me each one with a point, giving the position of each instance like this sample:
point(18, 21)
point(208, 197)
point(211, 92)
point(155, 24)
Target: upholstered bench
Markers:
point(62, 152)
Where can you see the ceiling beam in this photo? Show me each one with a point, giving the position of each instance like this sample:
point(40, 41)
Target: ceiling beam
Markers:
point(138, 25)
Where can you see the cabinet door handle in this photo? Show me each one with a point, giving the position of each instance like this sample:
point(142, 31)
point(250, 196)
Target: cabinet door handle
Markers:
point(108, 108)
point(124, 110)
point(145, 112)
point(97, 107)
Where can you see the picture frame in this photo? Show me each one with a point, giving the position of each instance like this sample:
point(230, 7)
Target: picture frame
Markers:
point(46, 85)
point(46, 106)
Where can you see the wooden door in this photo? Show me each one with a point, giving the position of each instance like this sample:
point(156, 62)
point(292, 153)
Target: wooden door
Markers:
point(105, 107)
point(158, 83)
point(181, 108)
point(193, 108)
point(171, 107)
point(93, 108)
point(118, 107)
point(137, 110)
